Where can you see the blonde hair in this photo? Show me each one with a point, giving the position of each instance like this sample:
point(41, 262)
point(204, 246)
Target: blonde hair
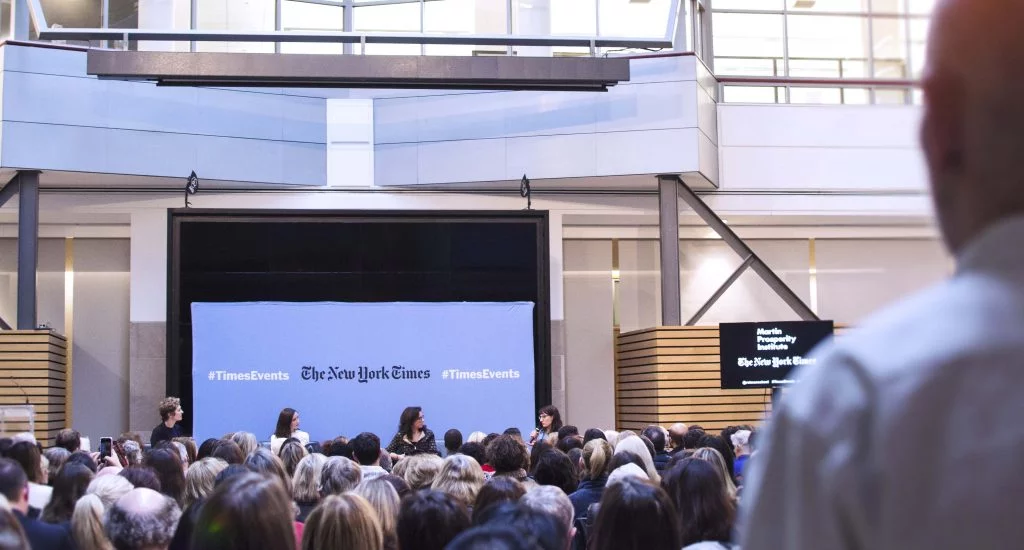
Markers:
point(597, 455)
point(421, 470)
point(476, 437)
point(383, 497)
point(87, 524)
point(711, 455)
point(635, 445)
point(200, 478)
point(306, 479)
point(246, 441)
point(108, 489)
point(343, 521)
point(461, 478)
point(291, 454)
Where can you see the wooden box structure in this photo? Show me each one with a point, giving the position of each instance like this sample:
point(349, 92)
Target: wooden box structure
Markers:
point(33, 370)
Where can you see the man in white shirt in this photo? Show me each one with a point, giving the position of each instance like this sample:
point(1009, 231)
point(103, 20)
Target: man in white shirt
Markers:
point(366, 451)
point(908, 433)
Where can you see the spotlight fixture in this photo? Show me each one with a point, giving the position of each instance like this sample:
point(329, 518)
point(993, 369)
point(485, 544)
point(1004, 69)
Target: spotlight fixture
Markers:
point(526, 192)
point(191, 187)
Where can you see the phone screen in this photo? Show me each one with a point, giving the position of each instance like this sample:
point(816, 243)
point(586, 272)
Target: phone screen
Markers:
point(105, 446)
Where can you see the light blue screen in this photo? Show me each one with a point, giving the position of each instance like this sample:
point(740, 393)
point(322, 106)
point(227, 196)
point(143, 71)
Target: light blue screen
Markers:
point(469, 365)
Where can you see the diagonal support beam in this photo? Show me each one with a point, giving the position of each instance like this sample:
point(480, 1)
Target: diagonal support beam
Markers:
point(8, 191)
point(721, 290)
point(740, 247)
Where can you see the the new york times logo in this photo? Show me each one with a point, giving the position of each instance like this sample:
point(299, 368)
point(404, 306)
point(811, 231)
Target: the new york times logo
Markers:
point(362, 375)
point(247, 376)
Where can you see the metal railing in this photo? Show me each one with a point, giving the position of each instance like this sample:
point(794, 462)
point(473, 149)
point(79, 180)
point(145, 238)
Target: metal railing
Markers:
point(870, 88)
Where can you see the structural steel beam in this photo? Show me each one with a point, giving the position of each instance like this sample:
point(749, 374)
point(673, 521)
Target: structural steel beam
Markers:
point(721, 290)
point(28, 247)
point(668, 242)
point(740, 247)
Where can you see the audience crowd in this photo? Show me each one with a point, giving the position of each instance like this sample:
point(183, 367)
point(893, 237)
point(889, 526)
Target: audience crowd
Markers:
point(558, 490)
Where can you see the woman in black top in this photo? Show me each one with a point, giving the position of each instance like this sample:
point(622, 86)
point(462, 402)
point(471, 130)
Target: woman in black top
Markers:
point(170, 414)
point(413, 437)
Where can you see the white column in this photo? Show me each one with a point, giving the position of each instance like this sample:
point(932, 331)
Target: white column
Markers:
point(148, 266)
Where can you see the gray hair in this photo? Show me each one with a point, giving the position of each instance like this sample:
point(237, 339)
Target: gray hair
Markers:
point(306, 479)
point(133, 451)
point(109, 489)
point(550, 500)
point(741, 439)
point(57, 457)
point(339, 475)
point(131, 530)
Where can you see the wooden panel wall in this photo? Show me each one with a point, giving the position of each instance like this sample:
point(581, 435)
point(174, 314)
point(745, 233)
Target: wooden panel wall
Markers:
point(671, 374)
point(37, 362)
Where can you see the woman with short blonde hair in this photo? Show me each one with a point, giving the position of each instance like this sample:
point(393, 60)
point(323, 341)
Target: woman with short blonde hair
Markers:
point(245, 441)
point(306, 484)
point(200, 479)
point(383, 497)
point(343, 521)
point(461, 478)
point(421, 470)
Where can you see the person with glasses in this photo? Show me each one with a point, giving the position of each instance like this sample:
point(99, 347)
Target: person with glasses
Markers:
point(413, 437)
point(550, 422)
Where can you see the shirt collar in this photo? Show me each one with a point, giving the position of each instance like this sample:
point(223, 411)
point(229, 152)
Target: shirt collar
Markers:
point(998, 248)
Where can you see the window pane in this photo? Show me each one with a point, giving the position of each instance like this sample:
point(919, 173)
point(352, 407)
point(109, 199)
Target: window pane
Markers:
point(574, 17)
point(855, 96)
point(890, 37)
point(388, 18)
point(82, 14)
point(300, 16)
point(852, 6)
point(827, 37)
point(821, 96)
point(891, 97)
point(624, 18)
point(123, 14)
point(254, 15)
point(925, 7)
point(748, 66)
point(918, 44)
point(464, 17)
point(747, 35)
point(5, 20)
point(754, 94)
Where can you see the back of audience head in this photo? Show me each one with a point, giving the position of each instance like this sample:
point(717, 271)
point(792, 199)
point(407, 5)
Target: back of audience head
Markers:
point(656, 435)
point(569, 443)
point(190, 448)
point(637, 446)
point(201, 479)
point(12, 535)
point(539, 528)
point(69, 485)
point(28, 456)
point(365, 449)
point(228, 451)
point(109, 489)
point(132, 452)
point(490, 537)
point(246, 441)
point(576, 458)
point(13, 481)
point(248, 511)
point(290, 454)
point(461, 478)
point(486, 442)
point(626, 471)
point(741, 442)
point(719, 444)
point(691, 439)
point(231, 471)
point(566, 431)
point(166, 462)
point(726, 435)
point(554, 502)
point(476, 437)
point(141, 477)
point(429, 520)
point(421, 470)
point(539, 447)
point(265, 462)
point(507, 455)
point(621, 458)
point(343, 521)
point(475, 450)
point(82, 458)
point(635, 514)
point(555, 469)
point(56, 456)
point(68, 439)
point(206, 449)
point(495, 491)
point(592, 434)
point(713, 457)
point(142, 519)
point(87, 522)
point(384, 498)
point(306, 479)
point(705, 512)
point(452, 441)
point(339, 475)
point(597, 457)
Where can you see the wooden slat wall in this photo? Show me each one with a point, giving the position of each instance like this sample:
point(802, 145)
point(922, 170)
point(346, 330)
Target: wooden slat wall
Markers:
point(37, 361)
point(666, 375)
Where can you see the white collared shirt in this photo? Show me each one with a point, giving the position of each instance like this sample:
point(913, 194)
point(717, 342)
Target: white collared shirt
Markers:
point(909, 433)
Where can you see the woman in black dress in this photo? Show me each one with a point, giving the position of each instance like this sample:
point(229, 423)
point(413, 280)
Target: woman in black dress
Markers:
point(413, 437)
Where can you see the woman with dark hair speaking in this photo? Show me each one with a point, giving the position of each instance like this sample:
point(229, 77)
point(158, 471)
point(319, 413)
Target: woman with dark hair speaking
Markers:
point(287, 427)
point(413, 437)
point(550, 422)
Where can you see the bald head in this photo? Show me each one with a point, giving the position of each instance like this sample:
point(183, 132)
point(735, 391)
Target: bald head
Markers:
point(142, 519)
point(676, 433)
point(973, 130)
